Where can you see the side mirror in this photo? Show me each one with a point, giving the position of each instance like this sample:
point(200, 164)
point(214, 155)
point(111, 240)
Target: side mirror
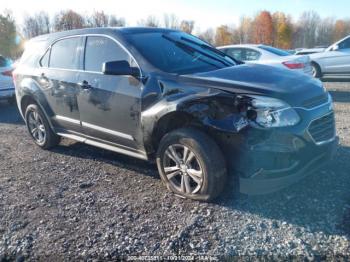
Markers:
point(335, 48)
point(119, 68)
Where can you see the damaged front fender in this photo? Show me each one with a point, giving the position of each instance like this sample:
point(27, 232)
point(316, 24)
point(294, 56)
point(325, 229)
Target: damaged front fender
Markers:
point(211, 109)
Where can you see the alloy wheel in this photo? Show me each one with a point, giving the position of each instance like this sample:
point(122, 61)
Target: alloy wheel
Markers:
point(36, 127)
point(314, 71)
point(182, 169)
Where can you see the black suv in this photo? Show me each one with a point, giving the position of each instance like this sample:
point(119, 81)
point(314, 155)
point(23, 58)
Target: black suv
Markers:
point(164, 95)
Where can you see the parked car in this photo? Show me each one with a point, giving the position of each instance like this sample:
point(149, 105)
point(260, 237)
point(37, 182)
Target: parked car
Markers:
point(334, 61)
point(268, 55)
point(309, 51)
point(166, 96)
point(7, 88)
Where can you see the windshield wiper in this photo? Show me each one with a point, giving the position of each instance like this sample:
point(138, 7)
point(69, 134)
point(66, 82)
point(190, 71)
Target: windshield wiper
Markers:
point(192, 49)
point(204, 46)
point(208, 47)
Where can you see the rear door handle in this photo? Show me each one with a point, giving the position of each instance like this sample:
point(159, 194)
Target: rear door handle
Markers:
point(85, 85)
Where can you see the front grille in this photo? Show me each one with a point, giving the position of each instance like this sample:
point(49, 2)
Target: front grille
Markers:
point(315, 101)
point(323, 129)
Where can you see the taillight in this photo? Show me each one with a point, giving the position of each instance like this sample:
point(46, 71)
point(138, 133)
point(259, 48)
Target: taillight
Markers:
point(294, 65)
point(7, 73)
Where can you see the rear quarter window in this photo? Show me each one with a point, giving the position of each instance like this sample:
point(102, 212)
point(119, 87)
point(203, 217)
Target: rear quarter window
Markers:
point(33, 52)
point(65, 53)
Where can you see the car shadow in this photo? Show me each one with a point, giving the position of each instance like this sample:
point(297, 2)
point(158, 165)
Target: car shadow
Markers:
point(340, 96)
point(84, 151)
point(315, 203)
point(332, 80)
point(9, 114)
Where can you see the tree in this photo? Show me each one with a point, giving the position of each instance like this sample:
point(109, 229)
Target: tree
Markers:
point(9, 40)
point(114, 21)
point(245, 30)
point(150, 21)
point(339, 30)
point(187, 26)
point(171, 21)
point(99, 19)
point(68, 20)
point(308, 26)
point(36, 25)
point(208, 36)
point(223, 36)
point(325, 32)
point(283, 31)
point(263, 28)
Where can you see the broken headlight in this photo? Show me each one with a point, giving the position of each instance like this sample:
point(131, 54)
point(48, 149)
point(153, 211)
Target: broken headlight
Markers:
point(269, 112)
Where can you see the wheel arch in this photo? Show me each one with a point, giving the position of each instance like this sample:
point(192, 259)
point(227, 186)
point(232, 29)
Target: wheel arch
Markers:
point(169, 122)
point(31, 93)
point(210, 114)
point(315, 63)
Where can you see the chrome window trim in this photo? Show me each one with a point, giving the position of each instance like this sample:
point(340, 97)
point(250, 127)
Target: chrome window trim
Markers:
point(91, 126)
point(104, 146)
point(107, 131)
point(67, 119)
point(87, 35)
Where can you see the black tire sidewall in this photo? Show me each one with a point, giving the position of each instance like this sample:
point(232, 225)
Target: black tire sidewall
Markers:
point(51, 139)
point(213, 173)
point(317, 70)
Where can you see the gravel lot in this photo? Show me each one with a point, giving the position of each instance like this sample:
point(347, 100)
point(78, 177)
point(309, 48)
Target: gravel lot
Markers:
point(78, 201)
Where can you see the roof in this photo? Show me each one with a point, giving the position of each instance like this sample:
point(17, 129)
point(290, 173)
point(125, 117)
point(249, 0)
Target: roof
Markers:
point(240, 45)
point(103, 30)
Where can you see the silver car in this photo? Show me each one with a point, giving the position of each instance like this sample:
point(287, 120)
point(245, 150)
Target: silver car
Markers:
point(7, 88)
point(268, 55)
point(334, 61)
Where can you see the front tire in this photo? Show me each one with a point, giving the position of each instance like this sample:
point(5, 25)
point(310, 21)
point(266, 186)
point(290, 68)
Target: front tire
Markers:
point(316, 71)
point(191, 164)
point(39, 128)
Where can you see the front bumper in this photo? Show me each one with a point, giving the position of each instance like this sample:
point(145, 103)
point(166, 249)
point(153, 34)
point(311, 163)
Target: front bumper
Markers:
point(290, 167)
point(271, 159)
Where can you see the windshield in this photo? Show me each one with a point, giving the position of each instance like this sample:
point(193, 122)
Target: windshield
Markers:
point(179, 53)
point(274, 50)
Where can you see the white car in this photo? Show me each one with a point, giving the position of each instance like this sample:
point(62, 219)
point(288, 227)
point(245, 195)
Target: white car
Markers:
point(334, 61)
point(7, 88)
point(263, 54)
point(309, 51)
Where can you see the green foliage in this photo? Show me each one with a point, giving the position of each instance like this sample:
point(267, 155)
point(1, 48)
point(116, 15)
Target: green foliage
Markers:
point(8, 36)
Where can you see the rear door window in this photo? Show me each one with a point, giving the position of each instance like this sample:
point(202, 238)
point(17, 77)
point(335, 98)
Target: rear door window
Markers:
point(250, 55)
point(99, 50)
point(345, 44)
point(65, 53)
point(236, 53)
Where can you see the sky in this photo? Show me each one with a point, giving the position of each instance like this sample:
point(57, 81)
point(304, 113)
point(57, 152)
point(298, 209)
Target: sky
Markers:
point(206, 13)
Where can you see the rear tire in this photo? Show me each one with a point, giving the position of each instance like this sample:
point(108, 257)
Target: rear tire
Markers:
point(39, 128)
point(316, 70)
point(191, 164)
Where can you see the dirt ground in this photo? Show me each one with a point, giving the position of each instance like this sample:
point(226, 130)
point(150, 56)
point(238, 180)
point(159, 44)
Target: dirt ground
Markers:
point(77, 201)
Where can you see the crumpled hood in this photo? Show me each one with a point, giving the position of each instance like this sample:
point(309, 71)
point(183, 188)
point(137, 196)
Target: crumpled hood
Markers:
point(292, 87)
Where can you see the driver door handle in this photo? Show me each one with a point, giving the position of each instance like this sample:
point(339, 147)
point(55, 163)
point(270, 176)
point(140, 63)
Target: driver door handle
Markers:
point(85, 85)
